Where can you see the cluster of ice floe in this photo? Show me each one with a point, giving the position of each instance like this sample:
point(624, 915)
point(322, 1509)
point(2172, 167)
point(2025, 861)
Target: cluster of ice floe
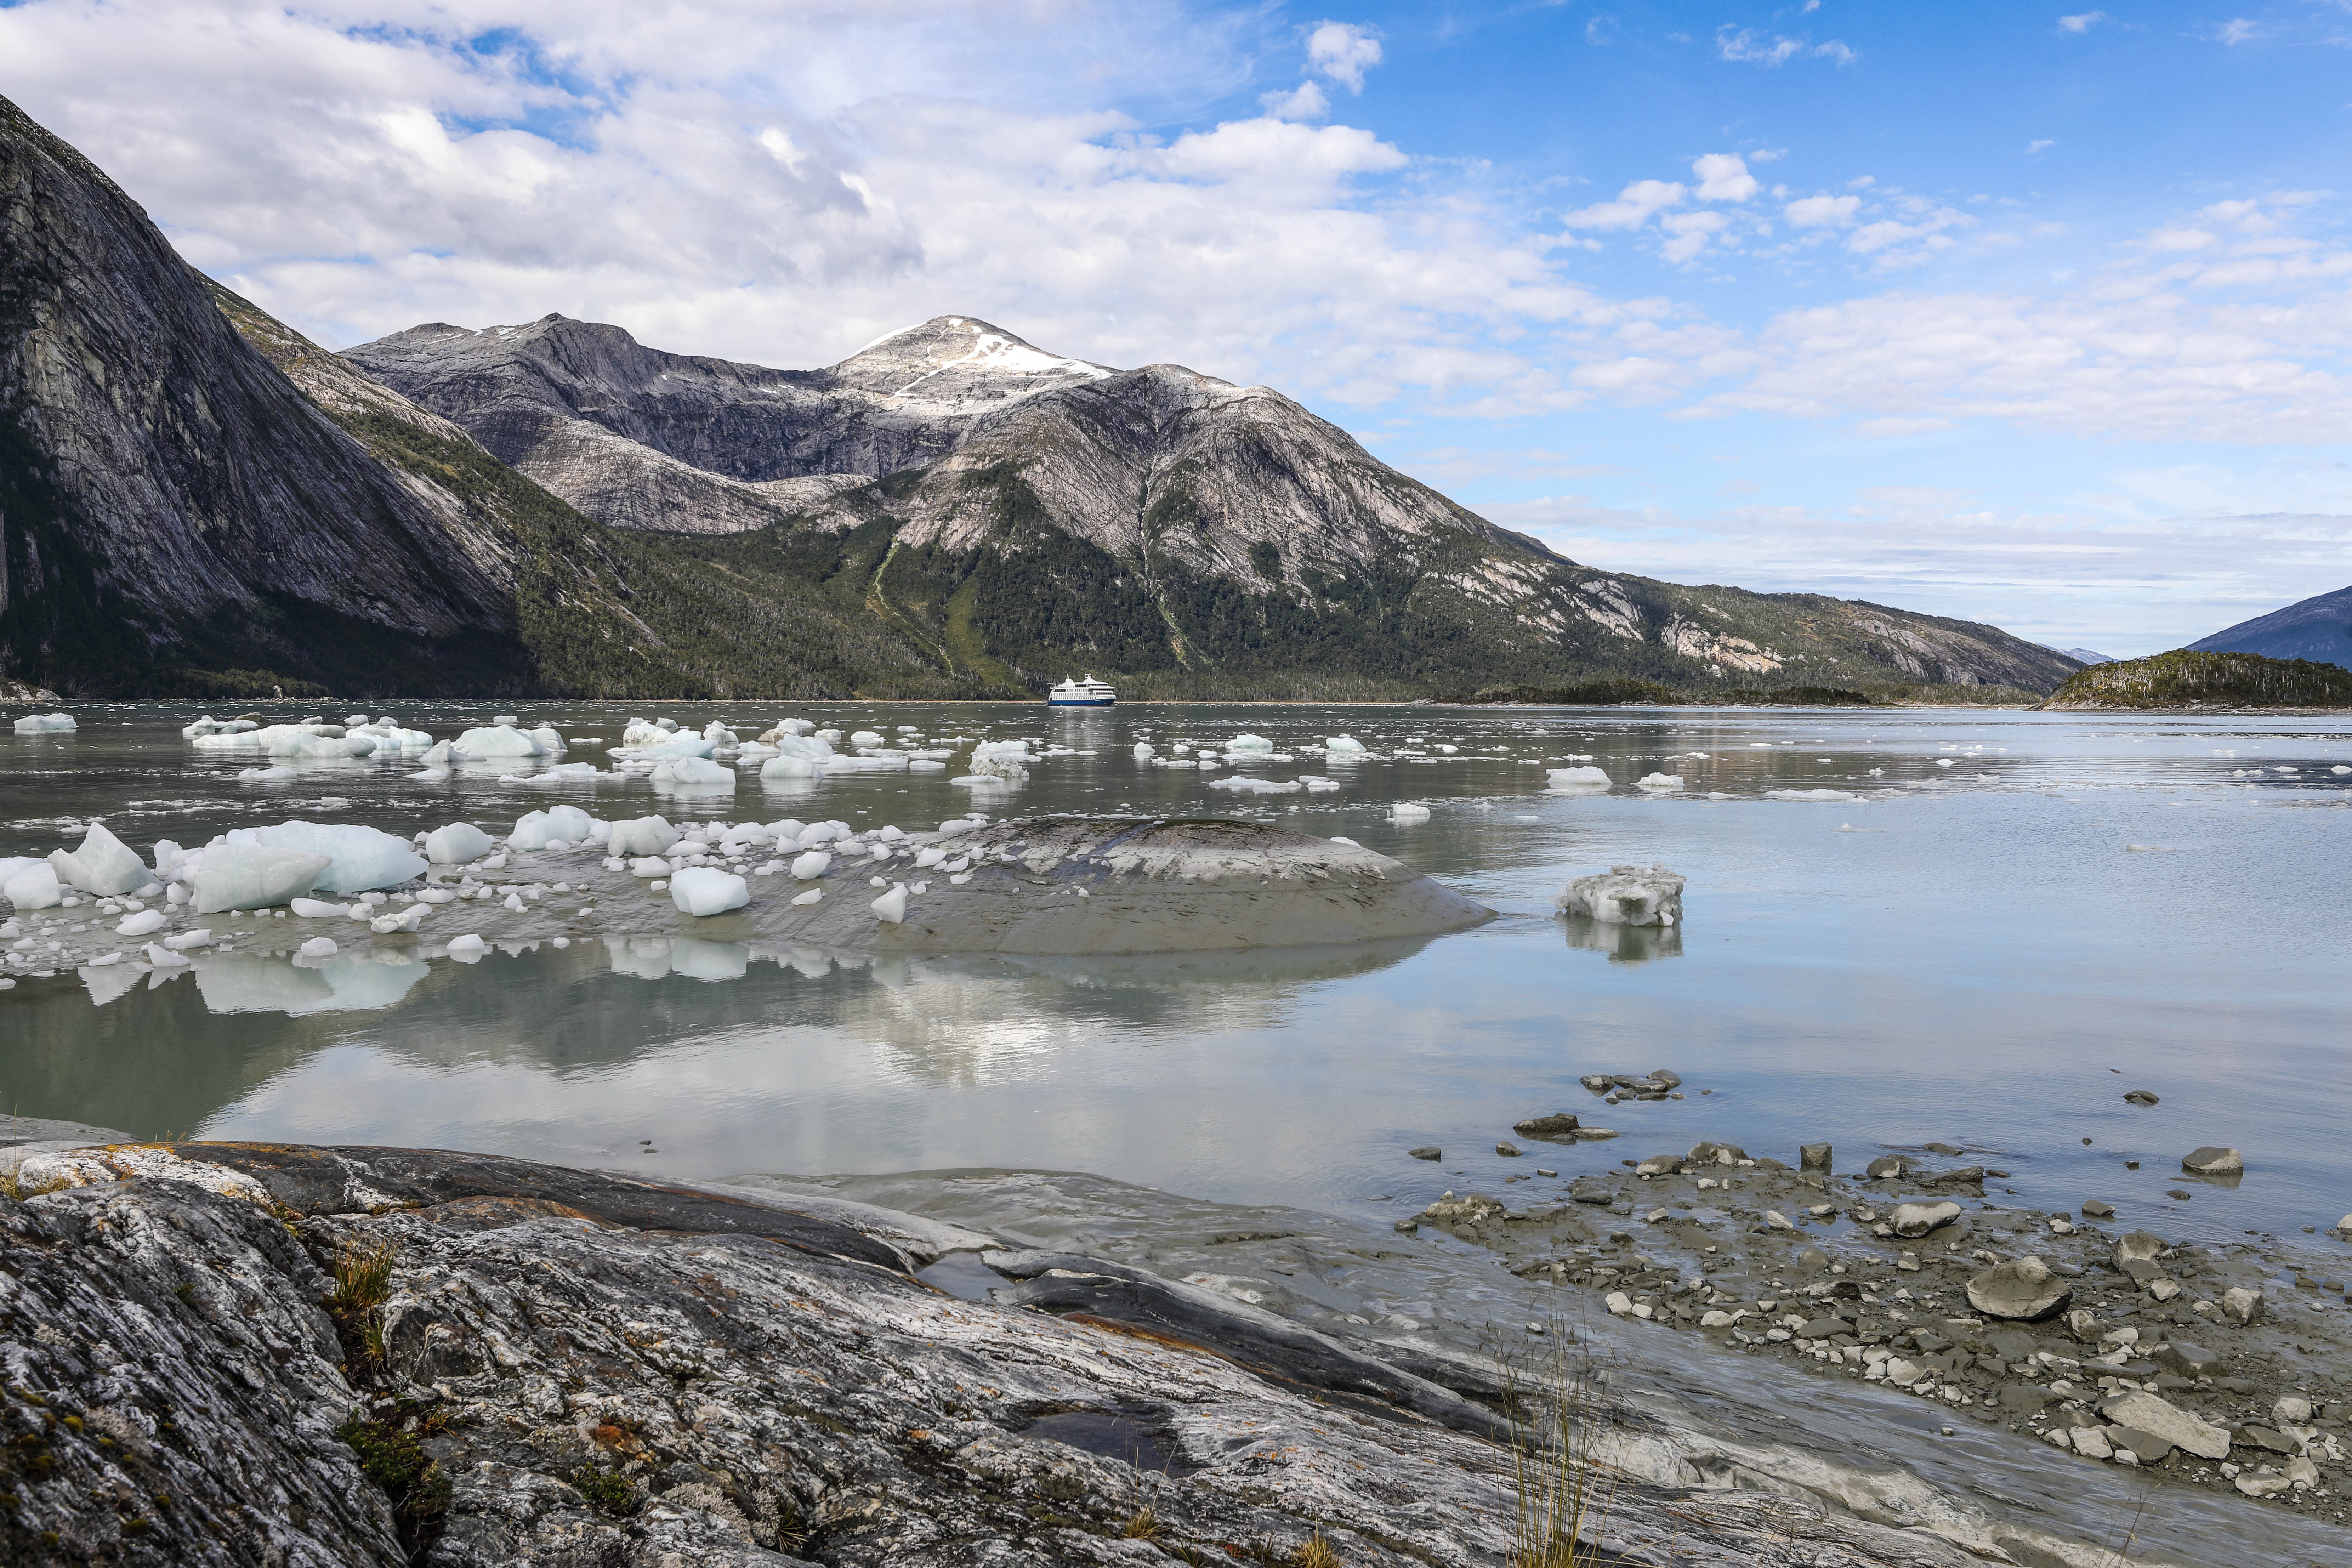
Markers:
point(46, 724)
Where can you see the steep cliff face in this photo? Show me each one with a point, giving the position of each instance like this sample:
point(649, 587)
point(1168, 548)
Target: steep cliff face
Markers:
point(175, 513)
point(1015, 513)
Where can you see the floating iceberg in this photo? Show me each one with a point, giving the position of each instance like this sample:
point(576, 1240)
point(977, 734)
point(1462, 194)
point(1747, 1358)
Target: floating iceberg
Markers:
point(1626, 895)
point(1408, 814)
point(208, 725)
point(643, 836)
point(676, 746)
point(787, 729)
point(1243, 783)
point(390, 737)
point(698, 772)
point(506, 741)
point(1809, 794)
point(534, 829)
point(359, 857)
point(559, 773)
point(1248, 745)
point(30, 884)
point(865, 738)
point(1576, 780)
point(706, 890)
point(104, 864)
point(46, 724)
point(1143, 749)
point(251, 876)
point(1659, 784)
point(798, 756)
point(1336, 746)
point(457, 844)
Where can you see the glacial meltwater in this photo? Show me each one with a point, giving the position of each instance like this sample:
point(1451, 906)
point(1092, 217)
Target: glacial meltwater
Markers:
point(1972, 933)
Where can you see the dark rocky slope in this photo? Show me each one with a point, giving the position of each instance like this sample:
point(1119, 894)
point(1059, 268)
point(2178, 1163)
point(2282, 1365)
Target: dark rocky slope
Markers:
point(2318, 628)
point(174, 513)
point(1017, 514)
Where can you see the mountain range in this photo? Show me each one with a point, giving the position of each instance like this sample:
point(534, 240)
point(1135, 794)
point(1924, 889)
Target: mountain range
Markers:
point(2318, 628)
point(196, 499)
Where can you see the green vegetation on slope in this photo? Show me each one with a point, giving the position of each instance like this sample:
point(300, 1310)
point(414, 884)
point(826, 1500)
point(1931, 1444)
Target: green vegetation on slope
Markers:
point(2183, 678)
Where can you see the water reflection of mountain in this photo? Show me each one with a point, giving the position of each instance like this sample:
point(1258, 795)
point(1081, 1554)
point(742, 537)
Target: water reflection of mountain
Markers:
point(167, 1051)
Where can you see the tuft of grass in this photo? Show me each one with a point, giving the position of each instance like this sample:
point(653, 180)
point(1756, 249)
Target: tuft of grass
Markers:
point(1143, 1524)
point(1314, 1552)
point(1556, 1429)
point(13, 1183)
point(362, 1272)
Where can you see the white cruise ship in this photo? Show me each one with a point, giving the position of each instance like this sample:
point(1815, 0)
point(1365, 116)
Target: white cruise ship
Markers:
point(1086, 693)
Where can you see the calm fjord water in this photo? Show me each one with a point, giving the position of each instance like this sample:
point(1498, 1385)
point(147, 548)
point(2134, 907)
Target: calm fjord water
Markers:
point(1988, 953)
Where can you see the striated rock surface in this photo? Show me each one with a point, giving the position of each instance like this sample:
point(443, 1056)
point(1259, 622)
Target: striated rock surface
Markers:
point(553, 1367)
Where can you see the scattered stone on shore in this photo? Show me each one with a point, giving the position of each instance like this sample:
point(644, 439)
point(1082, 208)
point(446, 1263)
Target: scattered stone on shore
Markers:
point(1913, 1220)
point(1814, 1157)
point(2213, 1162)
point(2022, 1290)
point(2009, 1317)
point(1509, 1150)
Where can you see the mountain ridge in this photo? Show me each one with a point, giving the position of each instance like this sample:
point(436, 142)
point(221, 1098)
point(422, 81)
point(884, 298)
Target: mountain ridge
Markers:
point(1207, 527)
point(2318, 628)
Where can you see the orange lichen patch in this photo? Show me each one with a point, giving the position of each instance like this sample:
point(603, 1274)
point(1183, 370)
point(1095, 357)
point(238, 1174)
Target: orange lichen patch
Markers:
point(620, 1439)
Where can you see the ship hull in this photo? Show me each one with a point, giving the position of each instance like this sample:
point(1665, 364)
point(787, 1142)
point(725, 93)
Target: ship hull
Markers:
point(1081, 701)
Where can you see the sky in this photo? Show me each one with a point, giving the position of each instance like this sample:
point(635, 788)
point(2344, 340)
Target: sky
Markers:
point(2007, 312)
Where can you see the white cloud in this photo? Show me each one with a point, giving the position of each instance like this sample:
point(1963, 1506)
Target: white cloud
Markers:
point(2237, 30)
point(1305, 102)
point(2035, 148)
point(1634, 205)
point(2083, 23)
point(1750, 46)
point(1343, 52)
point(1822, 212)
point(1723, 177)
point(1689, 233)
point(2179, 239)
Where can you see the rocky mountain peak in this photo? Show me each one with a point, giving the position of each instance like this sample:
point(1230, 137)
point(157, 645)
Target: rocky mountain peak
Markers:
point(955, 365)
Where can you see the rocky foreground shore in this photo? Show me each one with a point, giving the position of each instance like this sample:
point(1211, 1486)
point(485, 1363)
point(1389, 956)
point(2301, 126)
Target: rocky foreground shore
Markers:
point(244, 1353)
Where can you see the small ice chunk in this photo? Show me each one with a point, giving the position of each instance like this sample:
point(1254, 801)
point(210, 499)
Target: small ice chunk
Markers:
point(706, 890)
point(1349, 842)
point(1576, 780)
point(1809, 794)
point(254, 875)
point(319, 910)
point(104, 864)
point(457, 844)
point(358, 857)
point(865, 738)
point(46, 724)
point(318, 947)
point(1248, 745)
point(813, 864)
point(468, 947)
point(811, 896)
point(643, 836)
point(1338, 745)
point(163, 957)
point(1625, 895)
point(649, 866)
point(1659, 784)
point(30, 884)
point(1943, 762)
point(200, 936)
point(891, 907)
point(1143, 749)
point(142, 923)
point(1406, 814)
point(698, 772)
